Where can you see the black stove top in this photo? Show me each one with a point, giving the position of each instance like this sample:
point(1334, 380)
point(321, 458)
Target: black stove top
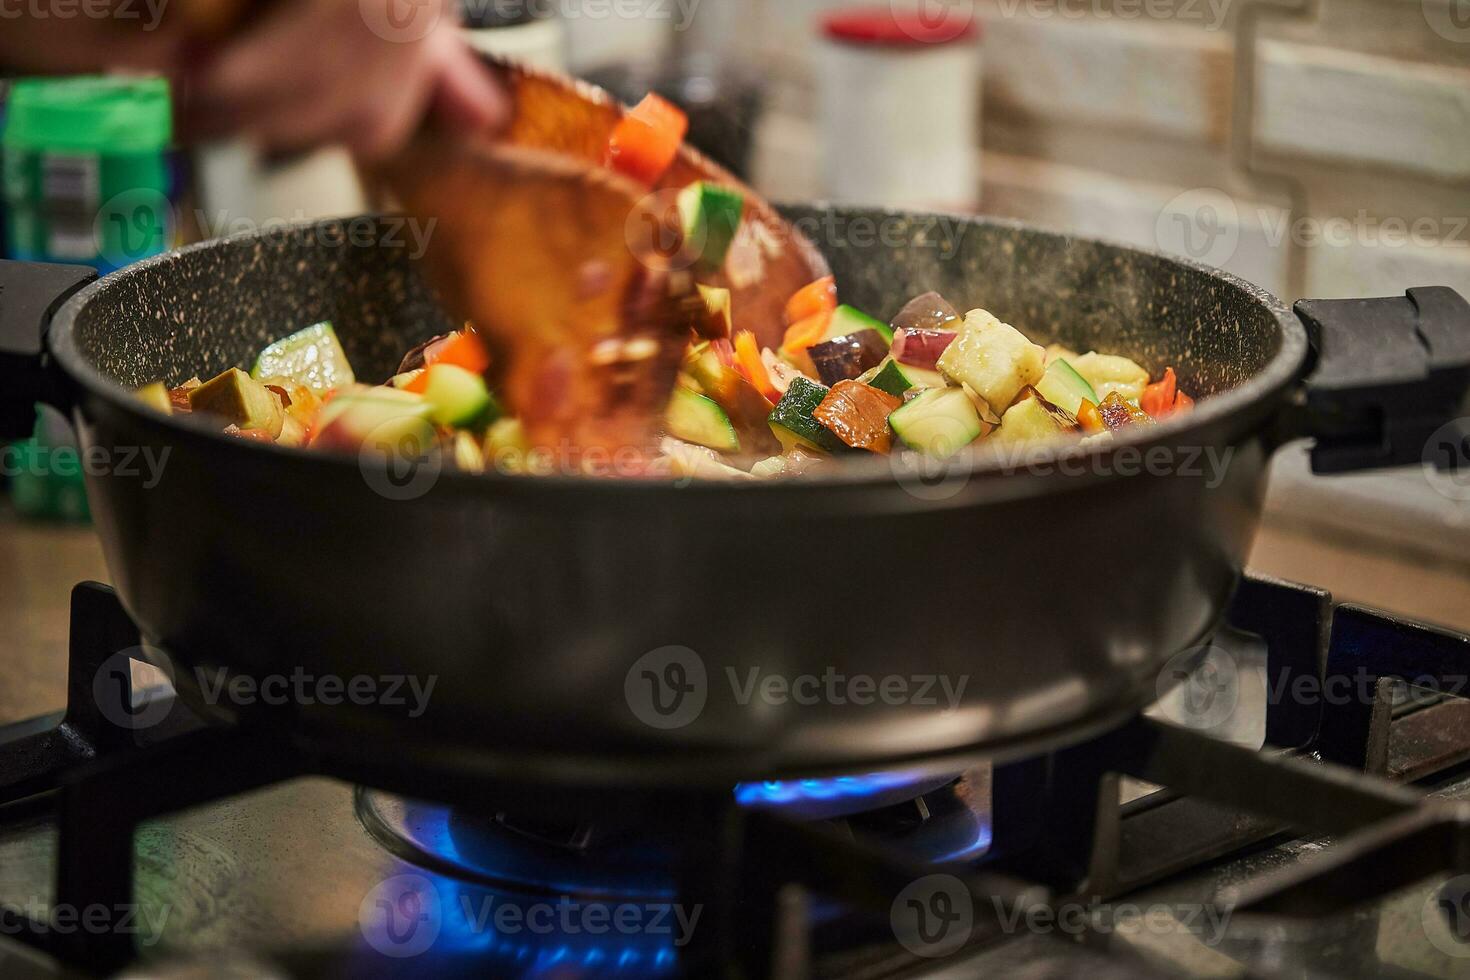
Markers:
point(1192, 842)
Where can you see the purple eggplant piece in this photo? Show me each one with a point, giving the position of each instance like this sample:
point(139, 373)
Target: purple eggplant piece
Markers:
point(928, 312)
point(920, 347)
point(844, 358)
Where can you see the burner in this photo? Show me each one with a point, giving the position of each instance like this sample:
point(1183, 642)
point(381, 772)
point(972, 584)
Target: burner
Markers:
point(943, 820)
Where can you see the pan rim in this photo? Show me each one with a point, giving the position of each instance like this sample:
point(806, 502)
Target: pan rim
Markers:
point(1254, 396)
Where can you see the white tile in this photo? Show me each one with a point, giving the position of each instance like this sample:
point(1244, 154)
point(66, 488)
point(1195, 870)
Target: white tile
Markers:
point(1364, 109)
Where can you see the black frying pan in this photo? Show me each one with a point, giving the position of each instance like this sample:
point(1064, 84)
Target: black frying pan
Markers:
point(1054, 591)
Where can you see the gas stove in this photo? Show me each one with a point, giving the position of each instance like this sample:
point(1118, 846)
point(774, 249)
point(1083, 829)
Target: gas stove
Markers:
point(1298, 804)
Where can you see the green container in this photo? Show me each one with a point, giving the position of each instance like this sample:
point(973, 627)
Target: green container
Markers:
point(86, 170)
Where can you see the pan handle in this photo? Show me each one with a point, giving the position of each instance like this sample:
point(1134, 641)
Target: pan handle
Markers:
point(1389, 380)
point(30, 294)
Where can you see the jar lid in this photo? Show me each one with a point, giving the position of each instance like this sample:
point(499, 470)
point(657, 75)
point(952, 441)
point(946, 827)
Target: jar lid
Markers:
point(886, 27)
point(89, 113)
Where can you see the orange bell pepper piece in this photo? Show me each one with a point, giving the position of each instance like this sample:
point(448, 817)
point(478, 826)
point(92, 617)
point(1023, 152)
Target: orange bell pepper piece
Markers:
point(812, 300)
point(647, 139)
point(462, 349)
point(804, 333)
point(748, 362)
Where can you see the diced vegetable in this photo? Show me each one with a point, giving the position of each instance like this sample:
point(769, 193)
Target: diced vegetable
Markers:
point(1163, 397)
point(711, 216)
point(293, 433)
point(994, 359)
point(406, 378)
point(1089, 417)
point(1034, 419)
point(468, 454)
point(804, 333)
point(848, 320)
point(748, 362)
point(697, 419)
point(314, 357)
point(793, 422)
point(717, 305)
point(391, 421)
point(1064, 387)
point(813, 300)
point(241, 401)
point(464, 349)
point(928, 312)
point(506, 446)
point(457, 397)
point(1118, 413)
point(155, 396)
point(920, 347)
point(717, 380)
point(1108, 373)
point(896, 378)
point(646, 140)
point(844, 358)
point(699, 463)
point(858, 415)
point(939, 422)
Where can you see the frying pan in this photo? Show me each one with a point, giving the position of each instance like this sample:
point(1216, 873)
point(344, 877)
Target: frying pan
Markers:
point(1050, 592)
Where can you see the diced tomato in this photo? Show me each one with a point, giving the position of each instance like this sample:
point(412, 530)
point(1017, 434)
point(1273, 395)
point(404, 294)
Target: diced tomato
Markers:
point(748, 362)
point(647, 139)
point(1158, 398)
point(1089, 417)
point(809, 301)
point(804, 333)
point(462, 349)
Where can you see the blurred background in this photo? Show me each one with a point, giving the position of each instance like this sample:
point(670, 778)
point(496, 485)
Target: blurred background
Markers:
point(1316, 147)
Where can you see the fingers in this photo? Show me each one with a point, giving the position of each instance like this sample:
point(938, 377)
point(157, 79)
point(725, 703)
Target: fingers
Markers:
point(315, 72)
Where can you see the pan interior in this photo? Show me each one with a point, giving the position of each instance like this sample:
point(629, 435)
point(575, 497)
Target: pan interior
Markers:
point(211, 307)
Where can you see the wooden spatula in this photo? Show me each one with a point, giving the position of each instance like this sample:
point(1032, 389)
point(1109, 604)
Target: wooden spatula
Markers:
point(570, 271)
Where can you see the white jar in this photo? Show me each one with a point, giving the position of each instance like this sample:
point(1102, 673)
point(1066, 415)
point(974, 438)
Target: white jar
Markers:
point(900, 106)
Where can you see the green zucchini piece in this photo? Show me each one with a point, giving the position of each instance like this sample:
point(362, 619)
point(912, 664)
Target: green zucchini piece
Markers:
point(848, 320)
point(313, 357)
point(1064, 387)
point(457, 397)
point(896, 378)
point(694, 418)
point(793, 423)
point(711, 216)
point(939, 422)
